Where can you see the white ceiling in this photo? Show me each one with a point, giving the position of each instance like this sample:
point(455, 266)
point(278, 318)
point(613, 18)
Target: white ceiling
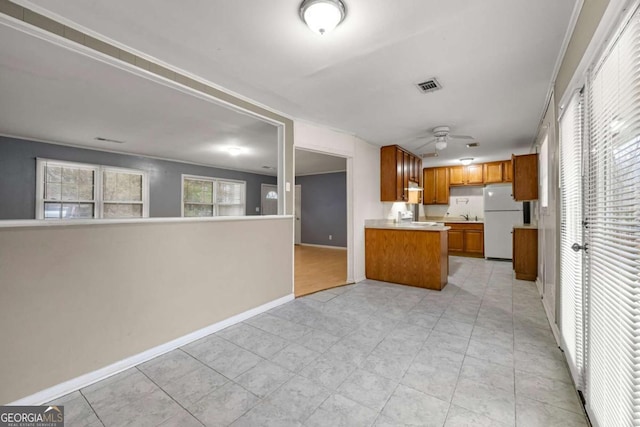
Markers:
point(494, 58)
point(309, 163)
point(50, 93)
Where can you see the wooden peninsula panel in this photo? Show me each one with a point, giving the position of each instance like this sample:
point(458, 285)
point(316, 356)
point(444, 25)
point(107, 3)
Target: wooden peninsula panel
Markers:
point(409, 257)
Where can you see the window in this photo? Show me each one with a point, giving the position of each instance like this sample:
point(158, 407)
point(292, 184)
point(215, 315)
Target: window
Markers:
point(204, 196)
point(122, 193)
point(67, 190)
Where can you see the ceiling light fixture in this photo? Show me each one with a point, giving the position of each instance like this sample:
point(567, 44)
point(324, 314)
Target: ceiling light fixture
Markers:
point(234, 151)
point(466, 161)
point(441, 142)
point(322, 16)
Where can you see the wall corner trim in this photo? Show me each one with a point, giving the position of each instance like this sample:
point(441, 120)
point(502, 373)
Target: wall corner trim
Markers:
point(85, 380)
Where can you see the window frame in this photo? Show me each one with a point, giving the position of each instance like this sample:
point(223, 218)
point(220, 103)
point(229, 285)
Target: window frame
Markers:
point(214, 181)
point(145, 189)
point(97, 187)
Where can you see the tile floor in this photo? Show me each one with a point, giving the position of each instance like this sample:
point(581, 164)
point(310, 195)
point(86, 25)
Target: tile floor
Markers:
point(478, 353)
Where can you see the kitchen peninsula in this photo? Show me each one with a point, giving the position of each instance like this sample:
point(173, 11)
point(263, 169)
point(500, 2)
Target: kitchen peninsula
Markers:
point(413, 254)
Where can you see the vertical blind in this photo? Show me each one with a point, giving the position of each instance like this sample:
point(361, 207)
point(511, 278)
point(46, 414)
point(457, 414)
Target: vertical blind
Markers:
point(613, 215)
point(571, 301)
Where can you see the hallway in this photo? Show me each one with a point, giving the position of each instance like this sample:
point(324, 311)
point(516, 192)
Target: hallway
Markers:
point(478, 353)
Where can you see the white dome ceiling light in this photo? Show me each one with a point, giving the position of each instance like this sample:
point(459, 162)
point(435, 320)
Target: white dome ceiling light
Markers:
point(322, 16)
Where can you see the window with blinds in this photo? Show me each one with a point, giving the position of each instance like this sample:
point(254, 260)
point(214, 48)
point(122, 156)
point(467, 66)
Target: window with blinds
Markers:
point(204, 196)
point(67, 190)
point(571, 279)
point(612, 372)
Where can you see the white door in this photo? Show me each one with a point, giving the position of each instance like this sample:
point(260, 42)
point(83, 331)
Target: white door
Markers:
point(269, 199)
point(298, 215)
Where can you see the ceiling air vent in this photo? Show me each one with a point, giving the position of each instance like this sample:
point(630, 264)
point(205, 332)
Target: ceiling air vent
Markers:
point(473, 144)
point(429, 85)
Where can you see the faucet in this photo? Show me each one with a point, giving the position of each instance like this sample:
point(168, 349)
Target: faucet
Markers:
point(466, 217)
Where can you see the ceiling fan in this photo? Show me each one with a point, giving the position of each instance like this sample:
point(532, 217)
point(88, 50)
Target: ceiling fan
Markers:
point(441, 137)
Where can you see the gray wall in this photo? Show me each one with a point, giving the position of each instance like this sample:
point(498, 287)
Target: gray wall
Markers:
point(324, 208)
point(18, 177)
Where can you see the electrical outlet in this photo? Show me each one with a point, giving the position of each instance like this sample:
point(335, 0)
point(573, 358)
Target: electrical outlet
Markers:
point(330, 237)
point(257, 208)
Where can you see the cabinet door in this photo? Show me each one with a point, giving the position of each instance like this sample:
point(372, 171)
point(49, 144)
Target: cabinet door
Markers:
point(388, 174)
point(429, 186)
point(441, 186)
point(399, 175)
point(474, 174)
point(525, 177)
point(507, 171)
point(456, 240)
point(474, 242)
point(525, 253)
point(457, 175)
point(406, 172)
point(493, 172)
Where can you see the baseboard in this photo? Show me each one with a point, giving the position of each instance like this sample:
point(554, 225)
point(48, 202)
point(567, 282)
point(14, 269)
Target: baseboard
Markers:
point(554, 328)
point(344, 248)
point(85, 380)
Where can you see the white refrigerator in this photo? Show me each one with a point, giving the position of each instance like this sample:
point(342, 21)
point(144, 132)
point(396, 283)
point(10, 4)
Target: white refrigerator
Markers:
point(501, 213)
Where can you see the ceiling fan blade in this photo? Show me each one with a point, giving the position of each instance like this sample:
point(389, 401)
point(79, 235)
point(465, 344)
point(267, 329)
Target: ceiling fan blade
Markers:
point(460, 137)
point(427, 155)
point(431, 141)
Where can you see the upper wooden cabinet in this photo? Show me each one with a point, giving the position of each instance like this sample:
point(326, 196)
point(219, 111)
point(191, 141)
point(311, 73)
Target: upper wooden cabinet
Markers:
point(466, 175)
point(525, 177)
point(435, 182)
point(497, 172)
point(507, 171)
point(493, 172)
point(397, 168)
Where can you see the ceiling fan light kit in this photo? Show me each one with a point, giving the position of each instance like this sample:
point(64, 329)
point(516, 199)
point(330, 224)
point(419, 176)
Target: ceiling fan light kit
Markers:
point(441, 136)
point(322, 16)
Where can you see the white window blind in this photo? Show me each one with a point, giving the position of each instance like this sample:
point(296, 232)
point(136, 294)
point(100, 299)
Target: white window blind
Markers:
point(571, 279)
point(613, 234)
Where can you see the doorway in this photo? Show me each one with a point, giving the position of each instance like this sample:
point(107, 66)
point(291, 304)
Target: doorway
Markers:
point(320, 222)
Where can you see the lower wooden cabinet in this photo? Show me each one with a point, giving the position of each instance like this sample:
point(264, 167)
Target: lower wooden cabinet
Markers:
point(474, 242)
point(525, 253)
point(409, 257)
point(456, 240)
point(466, 239)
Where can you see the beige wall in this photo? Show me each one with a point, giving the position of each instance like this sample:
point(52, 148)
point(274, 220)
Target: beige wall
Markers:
point(78, 298)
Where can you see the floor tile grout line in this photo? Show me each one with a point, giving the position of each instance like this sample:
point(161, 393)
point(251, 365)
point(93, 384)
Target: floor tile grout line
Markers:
point(513, 322)
point(90, 406)
point(172, 398)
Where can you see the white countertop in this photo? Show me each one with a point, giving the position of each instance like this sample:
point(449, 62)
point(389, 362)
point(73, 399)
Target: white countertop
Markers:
point(454, 220)
point(413, 226)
